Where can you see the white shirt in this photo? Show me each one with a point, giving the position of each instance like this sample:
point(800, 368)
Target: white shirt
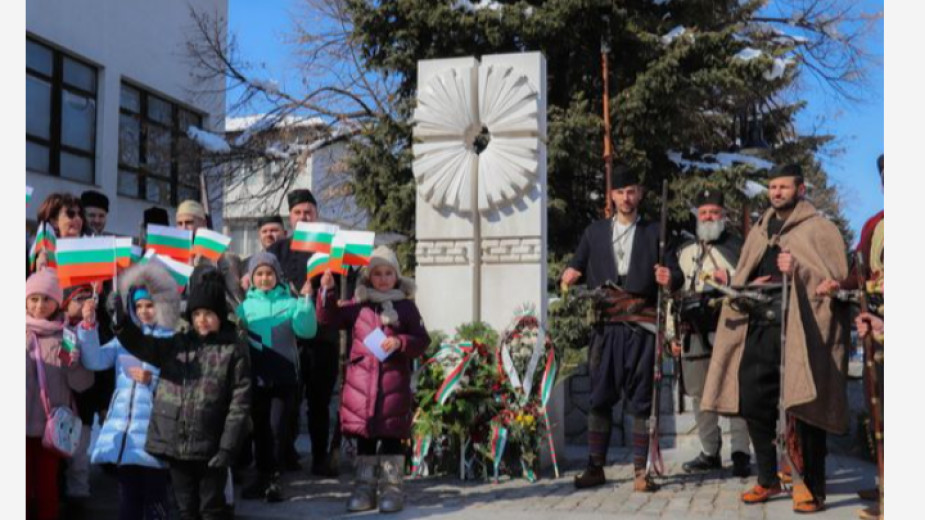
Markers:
point(623, 245)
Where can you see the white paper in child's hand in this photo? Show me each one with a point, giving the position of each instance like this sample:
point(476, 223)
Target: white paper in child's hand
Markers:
point(374, 343)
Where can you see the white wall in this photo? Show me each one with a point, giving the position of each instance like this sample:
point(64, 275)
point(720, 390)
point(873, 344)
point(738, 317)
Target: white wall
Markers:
point(142, 41)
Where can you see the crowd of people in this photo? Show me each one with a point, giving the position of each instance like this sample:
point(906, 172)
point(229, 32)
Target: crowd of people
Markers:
point(190, 384)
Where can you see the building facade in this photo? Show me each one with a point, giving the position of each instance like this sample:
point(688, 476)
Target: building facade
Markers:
point(110, 94)
point(258, 187)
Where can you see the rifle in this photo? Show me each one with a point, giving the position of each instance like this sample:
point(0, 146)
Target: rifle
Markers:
point(654, 461)
point(870, 355)
point(783, 452)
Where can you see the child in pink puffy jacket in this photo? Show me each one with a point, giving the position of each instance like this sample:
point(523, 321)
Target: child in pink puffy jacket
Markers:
point(376, 403)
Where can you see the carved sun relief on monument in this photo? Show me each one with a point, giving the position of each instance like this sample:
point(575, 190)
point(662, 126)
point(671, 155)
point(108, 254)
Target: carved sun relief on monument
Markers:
point(476, 122)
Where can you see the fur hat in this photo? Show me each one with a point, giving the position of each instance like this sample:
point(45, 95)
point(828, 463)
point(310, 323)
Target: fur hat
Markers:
point(264, 258)
point(94, 199)
point(299, 196)
point(45, 282)
point(207, 291)
point(163, 290)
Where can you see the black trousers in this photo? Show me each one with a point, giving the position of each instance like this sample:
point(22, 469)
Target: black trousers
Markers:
point(812, 444)
point(142, 493)
point(272, 411)
point(621, 361)
point(200, 490)
point(379, 446)
point(319, 364)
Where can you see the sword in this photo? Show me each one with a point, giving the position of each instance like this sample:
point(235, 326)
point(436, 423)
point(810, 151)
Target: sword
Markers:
point(783, 453)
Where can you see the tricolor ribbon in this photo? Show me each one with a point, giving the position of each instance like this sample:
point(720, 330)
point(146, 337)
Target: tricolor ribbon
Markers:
point(421, 448)
point(451, 381)
point(498, 444)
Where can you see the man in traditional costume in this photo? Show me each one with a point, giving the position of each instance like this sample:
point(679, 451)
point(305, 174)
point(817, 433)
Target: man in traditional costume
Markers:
point(790, 241)
point(712, 254)
point(620, 255)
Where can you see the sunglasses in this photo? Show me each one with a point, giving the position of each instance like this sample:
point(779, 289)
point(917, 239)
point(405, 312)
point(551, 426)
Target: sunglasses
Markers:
point(72, 213)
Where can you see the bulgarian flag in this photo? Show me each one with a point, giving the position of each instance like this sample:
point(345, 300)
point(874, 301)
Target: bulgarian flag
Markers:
point(124, 249)
point(315, 237)
point(45, 240)
point(85, 260)
point(168, 241)
point(318, 264)
point(336, 263)
point(28, 194)
point(179, 271)
point(210, 244)
point(358, 246)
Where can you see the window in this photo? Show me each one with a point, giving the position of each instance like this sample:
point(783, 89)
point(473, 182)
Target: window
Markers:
point(60, 113)
point(157, 161)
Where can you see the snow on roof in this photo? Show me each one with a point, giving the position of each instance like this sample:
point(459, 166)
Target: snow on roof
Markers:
point(207, 140)
point(672, 35)
point(242, 123)
point(748, 54)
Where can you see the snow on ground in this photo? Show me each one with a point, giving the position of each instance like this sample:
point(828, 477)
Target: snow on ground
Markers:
point(748, 54)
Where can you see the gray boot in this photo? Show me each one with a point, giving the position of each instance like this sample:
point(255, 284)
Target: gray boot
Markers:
point(363, 497)
point(391, 498)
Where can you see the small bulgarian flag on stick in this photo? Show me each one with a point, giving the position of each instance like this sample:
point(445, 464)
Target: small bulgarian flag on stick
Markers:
point(358, 246)
point(85, 260)
point(179, 271)
point(123, 252)
point(210, 244)
point(173, 242)
point(318, 264)
point(28, 194)
point(315, 237)
point(45, 240)
point(69, 341)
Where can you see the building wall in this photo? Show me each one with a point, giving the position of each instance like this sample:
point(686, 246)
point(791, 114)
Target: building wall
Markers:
point(324, 173)
point(142, 41)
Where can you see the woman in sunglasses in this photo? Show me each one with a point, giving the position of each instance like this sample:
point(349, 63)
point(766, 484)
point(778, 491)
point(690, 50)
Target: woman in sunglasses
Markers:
point(65, 215)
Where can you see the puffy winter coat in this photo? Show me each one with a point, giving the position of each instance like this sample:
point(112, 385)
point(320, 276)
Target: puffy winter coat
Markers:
point(60, 380)
point(202, 404)
point(376, 399)
point(122, 438)
point(273, 320)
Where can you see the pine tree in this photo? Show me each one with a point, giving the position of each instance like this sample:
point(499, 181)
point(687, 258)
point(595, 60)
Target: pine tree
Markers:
point(683, 73)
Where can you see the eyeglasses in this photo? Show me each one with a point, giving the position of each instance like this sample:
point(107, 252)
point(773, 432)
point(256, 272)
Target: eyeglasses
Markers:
point(72, 213)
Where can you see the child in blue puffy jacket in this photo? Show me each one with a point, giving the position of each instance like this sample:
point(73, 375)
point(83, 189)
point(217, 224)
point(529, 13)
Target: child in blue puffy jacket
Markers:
point(273, 319)
point(143, 478)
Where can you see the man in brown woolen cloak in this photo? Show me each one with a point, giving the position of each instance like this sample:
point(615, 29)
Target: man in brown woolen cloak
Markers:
point(744, 377)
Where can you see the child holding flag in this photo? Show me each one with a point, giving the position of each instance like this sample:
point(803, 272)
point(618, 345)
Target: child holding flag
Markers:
point(273, 319)
point(154, 301)
point(376, 403)
point(49, 385)
point(201, 411)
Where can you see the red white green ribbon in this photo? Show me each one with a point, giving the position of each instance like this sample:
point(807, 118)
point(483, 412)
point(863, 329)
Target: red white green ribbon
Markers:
point(549, 377)
point(451, 381)
point(529, 474)
point(421, 448)
point(498, 444)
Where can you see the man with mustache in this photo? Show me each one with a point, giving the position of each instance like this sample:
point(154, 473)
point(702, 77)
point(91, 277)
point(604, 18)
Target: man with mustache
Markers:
point(622, 251)
point(714, 254)
point(790, 241)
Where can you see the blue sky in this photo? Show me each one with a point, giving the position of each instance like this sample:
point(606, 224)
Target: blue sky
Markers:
point(261, 29)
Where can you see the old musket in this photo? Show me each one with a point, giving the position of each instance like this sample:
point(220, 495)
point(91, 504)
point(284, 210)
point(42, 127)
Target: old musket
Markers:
point(654, 463)
point(873, 383)
point(784, 459)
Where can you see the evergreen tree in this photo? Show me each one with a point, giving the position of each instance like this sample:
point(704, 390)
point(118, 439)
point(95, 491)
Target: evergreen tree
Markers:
point(682, 76)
